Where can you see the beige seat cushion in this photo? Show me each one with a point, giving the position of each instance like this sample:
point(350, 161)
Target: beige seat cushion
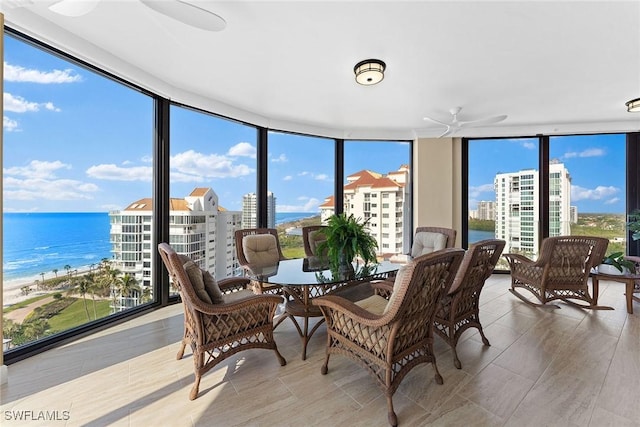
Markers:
point(260, 249)
point(237, 296)
point(374, 304)
point(426, 242)
point(402, 271)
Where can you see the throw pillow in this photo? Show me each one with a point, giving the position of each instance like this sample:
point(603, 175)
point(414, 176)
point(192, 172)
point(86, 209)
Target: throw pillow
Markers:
point(212, 288)
point(400, 276)
point(195, 277)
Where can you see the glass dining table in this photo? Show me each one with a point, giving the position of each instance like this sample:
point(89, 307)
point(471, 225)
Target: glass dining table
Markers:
point(304, 279)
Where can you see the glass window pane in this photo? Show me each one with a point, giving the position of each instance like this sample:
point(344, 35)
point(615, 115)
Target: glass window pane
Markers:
point(212, 170)
point(587, 187)
point(73, 157)
point(378, 190)
point(301, 176)
point(503, 193)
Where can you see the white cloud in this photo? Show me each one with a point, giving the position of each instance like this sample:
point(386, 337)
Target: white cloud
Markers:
point(192, 163)
point(146, 159)
point(322, 177)
point(484, 188)
point(287, 178)
point(37, 169)
point(9, 125)
point(612, 201)
point(112, 172)
point(282, 158)
point(15, 73)
point(589, 152)
point(311, 205)
point(599, 193)
point(18, 104)
point(43, 189)
point(242, 149)
point(529, 145)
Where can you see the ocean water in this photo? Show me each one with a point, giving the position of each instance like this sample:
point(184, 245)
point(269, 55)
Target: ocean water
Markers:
point(35, 243)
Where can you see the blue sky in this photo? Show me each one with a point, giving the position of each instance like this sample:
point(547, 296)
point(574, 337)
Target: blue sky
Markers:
point(596, 164)
point(75, 141)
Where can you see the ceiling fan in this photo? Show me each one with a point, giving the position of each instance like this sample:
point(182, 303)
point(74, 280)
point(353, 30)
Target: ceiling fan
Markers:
point(179, 10)
point(455, 124)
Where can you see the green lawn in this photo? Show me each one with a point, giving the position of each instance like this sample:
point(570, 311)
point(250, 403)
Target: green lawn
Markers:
point(75, 314)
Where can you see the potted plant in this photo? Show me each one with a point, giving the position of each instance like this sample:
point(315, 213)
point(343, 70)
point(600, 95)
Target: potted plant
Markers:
point(616, 264)
point(346, 239)
point(634, 224)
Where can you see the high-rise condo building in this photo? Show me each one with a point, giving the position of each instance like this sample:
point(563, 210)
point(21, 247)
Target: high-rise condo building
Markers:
point(250, 210)
point(516, 207)
point(384, 201)
point(198, 228)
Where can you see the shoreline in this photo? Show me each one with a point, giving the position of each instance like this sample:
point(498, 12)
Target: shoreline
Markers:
point(11, 293)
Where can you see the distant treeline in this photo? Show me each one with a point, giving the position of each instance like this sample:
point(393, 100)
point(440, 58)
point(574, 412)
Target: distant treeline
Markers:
point(482, 224)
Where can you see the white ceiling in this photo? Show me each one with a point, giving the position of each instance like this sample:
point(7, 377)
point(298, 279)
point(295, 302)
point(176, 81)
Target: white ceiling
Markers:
point(552, 67)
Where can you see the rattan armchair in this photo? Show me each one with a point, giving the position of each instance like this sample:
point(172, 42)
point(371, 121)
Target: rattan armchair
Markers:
point(215, 332)
point(311, 237)
point(389, 338)
point(267, 255)
point(459, 309)
point(560, 272)
point(418, 247)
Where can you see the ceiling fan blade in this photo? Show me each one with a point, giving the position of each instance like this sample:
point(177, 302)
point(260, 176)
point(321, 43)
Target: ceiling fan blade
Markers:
point(447, 132)
point(73, 8)
point(431, 119)
point(187, 13)
point(480, 122)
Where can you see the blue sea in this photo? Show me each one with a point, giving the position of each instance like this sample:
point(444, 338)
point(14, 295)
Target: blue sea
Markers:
point(36, 243)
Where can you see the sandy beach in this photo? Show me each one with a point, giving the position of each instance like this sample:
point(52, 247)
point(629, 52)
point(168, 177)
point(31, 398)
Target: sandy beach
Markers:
point(11, 293)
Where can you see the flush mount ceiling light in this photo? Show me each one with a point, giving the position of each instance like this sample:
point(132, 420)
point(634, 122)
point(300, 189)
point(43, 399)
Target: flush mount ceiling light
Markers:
point(633, 106)
point(369, 71)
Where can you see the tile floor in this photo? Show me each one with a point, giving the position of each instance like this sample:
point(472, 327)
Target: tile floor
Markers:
point(566, 367)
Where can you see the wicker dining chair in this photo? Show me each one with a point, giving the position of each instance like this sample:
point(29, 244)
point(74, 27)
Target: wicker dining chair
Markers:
point(390, 337)
point(258, 247)
point(560, 272)
point(311, 237)
point(241, 321)
point(459, 309)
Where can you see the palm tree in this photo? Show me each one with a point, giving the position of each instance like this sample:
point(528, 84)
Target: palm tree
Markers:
point(68, 268)
point(35, 329)
point(41, 274)
point(55, 271)
point(82, 286)
point(126, 285)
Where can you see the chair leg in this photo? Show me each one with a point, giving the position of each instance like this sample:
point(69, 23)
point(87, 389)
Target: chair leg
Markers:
point(485, 341)
point(391, 415)
point(281, 359)
point(456, 361)
point(181, 350)
point(437, 377)
point(325, 367)
point(194, 390)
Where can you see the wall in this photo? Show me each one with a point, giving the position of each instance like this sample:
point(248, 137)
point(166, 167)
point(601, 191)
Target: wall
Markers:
point(437, 174)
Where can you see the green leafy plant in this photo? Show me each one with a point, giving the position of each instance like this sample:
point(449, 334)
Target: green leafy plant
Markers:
point(346, 239)
point(618, 261)
point(634, 224)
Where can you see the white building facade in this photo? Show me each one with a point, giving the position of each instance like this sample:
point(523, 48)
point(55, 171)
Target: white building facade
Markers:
point(517, 206)
point(384, 201)
point(198, 228)
point(250, 210)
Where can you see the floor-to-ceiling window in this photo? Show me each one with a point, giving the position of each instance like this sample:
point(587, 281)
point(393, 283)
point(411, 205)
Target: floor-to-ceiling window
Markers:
point(77, 153)
point(503, 193)
point(378, 190)
point(301, 173)
point(212, 186)
point(587, 187)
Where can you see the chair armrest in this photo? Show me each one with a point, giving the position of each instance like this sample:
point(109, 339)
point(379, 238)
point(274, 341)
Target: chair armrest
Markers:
point(344, 307)
point(229, 284)
point(244, 304)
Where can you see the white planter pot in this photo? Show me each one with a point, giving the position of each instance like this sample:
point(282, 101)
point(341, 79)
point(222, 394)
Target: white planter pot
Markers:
point(610, 269)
